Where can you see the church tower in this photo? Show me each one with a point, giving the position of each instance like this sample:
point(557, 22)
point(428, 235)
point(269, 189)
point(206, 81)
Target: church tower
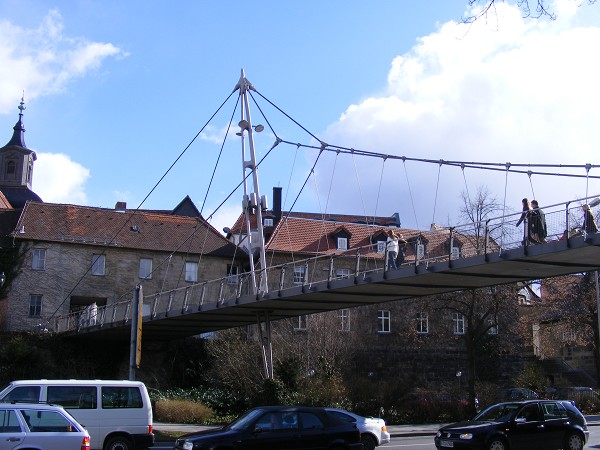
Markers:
point(16, 166)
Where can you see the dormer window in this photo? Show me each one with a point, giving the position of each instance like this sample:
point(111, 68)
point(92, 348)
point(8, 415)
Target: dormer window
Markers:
point(268, 222)
point(11, 168)
point(380, 246)
point(341, 238)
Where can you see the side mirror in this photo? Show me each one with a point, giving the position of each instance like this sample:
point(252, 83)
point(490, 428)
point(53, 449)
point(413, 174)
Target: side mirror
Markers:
point(258, 429)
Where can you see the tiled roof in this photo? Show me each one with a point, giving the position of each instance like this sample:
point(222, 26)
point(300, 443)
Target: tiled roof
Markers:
point(240, 223)
point(4, 203)
point(312, 237)
point(130, 229)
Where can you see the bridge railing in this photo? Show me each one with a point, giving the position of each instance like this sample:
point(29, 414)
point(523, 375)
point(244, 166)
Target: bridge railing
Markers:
point(440, 244)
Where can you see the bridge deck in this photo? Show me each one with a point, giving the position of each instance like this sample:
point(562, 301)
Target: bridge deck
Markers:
point(519, 264)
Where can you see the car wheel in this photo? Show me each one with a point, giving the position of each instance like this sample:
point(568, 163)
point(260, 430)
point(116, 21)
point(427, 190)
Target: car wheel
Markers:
point(118, 443)
point(497, 444)
point(574, 442)
point(368, 442)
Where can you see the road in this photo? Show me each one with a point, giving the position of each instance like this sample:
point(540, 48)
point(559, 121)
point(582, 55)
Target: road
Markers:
point(425, 442)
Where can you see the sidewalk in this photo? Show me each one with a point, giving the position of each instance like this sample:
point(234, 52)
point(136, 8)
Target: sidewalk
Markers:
point(394, 430)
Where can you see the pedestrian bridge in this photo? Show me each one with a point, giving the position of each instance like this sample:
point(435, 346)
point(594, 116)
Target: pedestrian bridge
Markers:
point(498, 255)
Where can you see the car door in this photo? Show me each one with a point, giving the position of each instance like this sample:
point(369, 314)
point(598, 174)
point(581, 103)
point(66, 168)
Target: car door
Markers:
point(313, 433)
point(527, 429)
point(11, 431)
point(49, 430)
point(556, 422)
point(274, 430)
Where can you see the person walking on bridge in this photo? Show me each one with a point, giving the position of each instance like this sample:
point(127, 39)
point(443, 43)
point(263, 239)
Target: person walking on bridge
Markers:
point(392, 249)
point(525, 219)
point(539, 231)
point(589, 223)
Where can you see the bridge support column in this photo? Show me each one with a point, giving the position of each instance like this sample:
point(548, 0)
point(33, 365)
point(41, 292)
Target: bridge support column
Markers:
point(266, 347)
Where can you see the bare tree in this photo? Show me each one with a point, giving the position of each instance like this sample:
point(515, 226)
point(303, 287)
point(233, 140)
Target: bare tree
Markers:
point(529, 8)
point(476, 211)
point(490, 318)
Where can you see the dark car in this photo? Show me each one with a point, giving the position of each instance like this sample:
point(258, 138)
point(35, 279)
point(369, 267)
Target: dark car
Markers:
point(525, 425)
point(277, 428)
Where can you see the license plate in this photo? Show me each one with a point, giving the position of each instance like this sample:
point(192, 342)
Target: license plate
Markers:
point(446, 444)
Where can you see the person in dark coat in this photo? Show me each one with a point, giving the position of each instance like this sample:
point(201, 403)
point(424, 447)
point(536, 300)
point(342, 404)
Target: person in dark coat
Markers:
point(526, 220)
point(539, 231)
point(589, 222)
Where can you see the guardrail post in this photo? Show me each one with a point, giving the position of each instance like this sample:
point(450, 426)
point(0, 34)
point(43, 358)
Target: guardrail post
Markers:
point(202, 292)
point(305, 281)
point(221, 287)
point(169, 304)
point(282, 278)
point(357, 267)
point(330, 276)
point(184, 306)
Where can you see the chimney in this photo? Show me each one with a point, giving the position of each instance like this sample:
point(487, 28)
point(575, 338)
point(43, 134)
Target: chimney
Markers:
point(120, 206)
point(277, 203)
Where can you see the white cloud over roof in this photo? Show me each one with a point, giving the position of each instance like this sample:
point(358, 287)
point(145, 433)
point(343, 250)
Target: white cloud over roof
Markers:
point(519, 90)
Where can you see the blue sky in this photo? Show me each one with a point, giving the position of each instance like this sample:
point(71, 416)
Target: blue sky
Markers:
point(116, 90)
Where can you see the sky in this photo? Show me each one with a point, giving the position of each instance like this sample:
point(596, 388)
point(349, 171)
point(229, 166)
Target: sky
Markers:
point(135, 101)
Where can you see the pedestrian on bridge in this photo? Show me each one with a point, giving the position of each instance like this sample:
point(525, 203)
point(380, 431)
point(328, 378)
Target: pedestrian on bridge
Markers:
point(539, 231)
point(525, 219)
point(589, 222)
point(392, 249)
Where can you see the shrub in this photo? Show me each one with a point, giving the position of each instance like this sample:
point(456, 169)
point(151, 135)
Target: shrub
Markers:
point(182, 411)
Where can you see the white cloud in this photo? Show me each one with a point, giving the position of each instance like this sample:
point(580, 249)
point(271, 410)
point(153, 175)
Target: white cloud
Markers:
point(58, 179)
point(224, 217)
point(42, 61)
point(520, 91)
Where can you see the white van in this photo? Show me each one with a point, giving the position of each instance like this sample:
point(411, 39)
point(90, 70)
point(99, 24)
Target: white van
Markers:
point(117, 414)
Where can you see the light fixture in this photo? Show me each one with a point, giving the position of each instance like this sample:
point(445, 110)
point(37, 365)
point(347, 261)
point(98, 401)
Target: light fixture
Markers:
point(595, 202)
point(2, 279)
point(245, 125)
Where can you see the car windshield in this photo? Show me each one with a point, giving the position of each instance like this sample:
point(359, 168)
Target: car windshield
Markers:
point(243, 422)
point(498, 413)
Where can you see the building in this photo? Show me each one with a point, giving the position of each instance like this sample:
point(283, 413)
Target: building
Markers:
point(64, 259)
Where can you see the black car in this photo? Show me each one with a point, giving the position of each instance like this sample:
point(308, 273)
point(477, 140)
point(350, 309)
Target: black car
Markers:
point(525, 425)
point(278, 428)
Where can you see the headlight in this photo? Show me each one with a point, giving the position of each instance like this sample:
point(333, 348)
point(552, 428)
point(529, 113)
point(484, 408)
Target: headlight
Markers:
point(439, 434)
point(466, 436)
point(188, 445)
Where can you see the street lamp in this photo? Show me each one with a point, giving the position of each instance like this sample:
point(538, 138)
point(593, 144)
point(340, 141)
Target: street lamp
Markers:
point(2, 279)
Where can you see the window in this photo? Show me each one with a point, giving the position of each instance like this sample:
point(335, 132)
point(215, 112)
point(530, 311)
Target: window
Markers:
point(45, 421)
point(342, 273)
point(145, 268)
point(342, 243)
point(383, 321)
point(493, 326)
point(458, 323)
point(422, 323)
point(381, 246)
point(35, 305)
point(191, 271)
point(121, 397)
point(73, 397)
point(299, 275)
point(232, 274)
point(9, 422)
point(98, 264)
point(344, 315)
point(302, 323)
point(268, 222)
point(29, 394)
point(11, 168)
point(38, 259)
